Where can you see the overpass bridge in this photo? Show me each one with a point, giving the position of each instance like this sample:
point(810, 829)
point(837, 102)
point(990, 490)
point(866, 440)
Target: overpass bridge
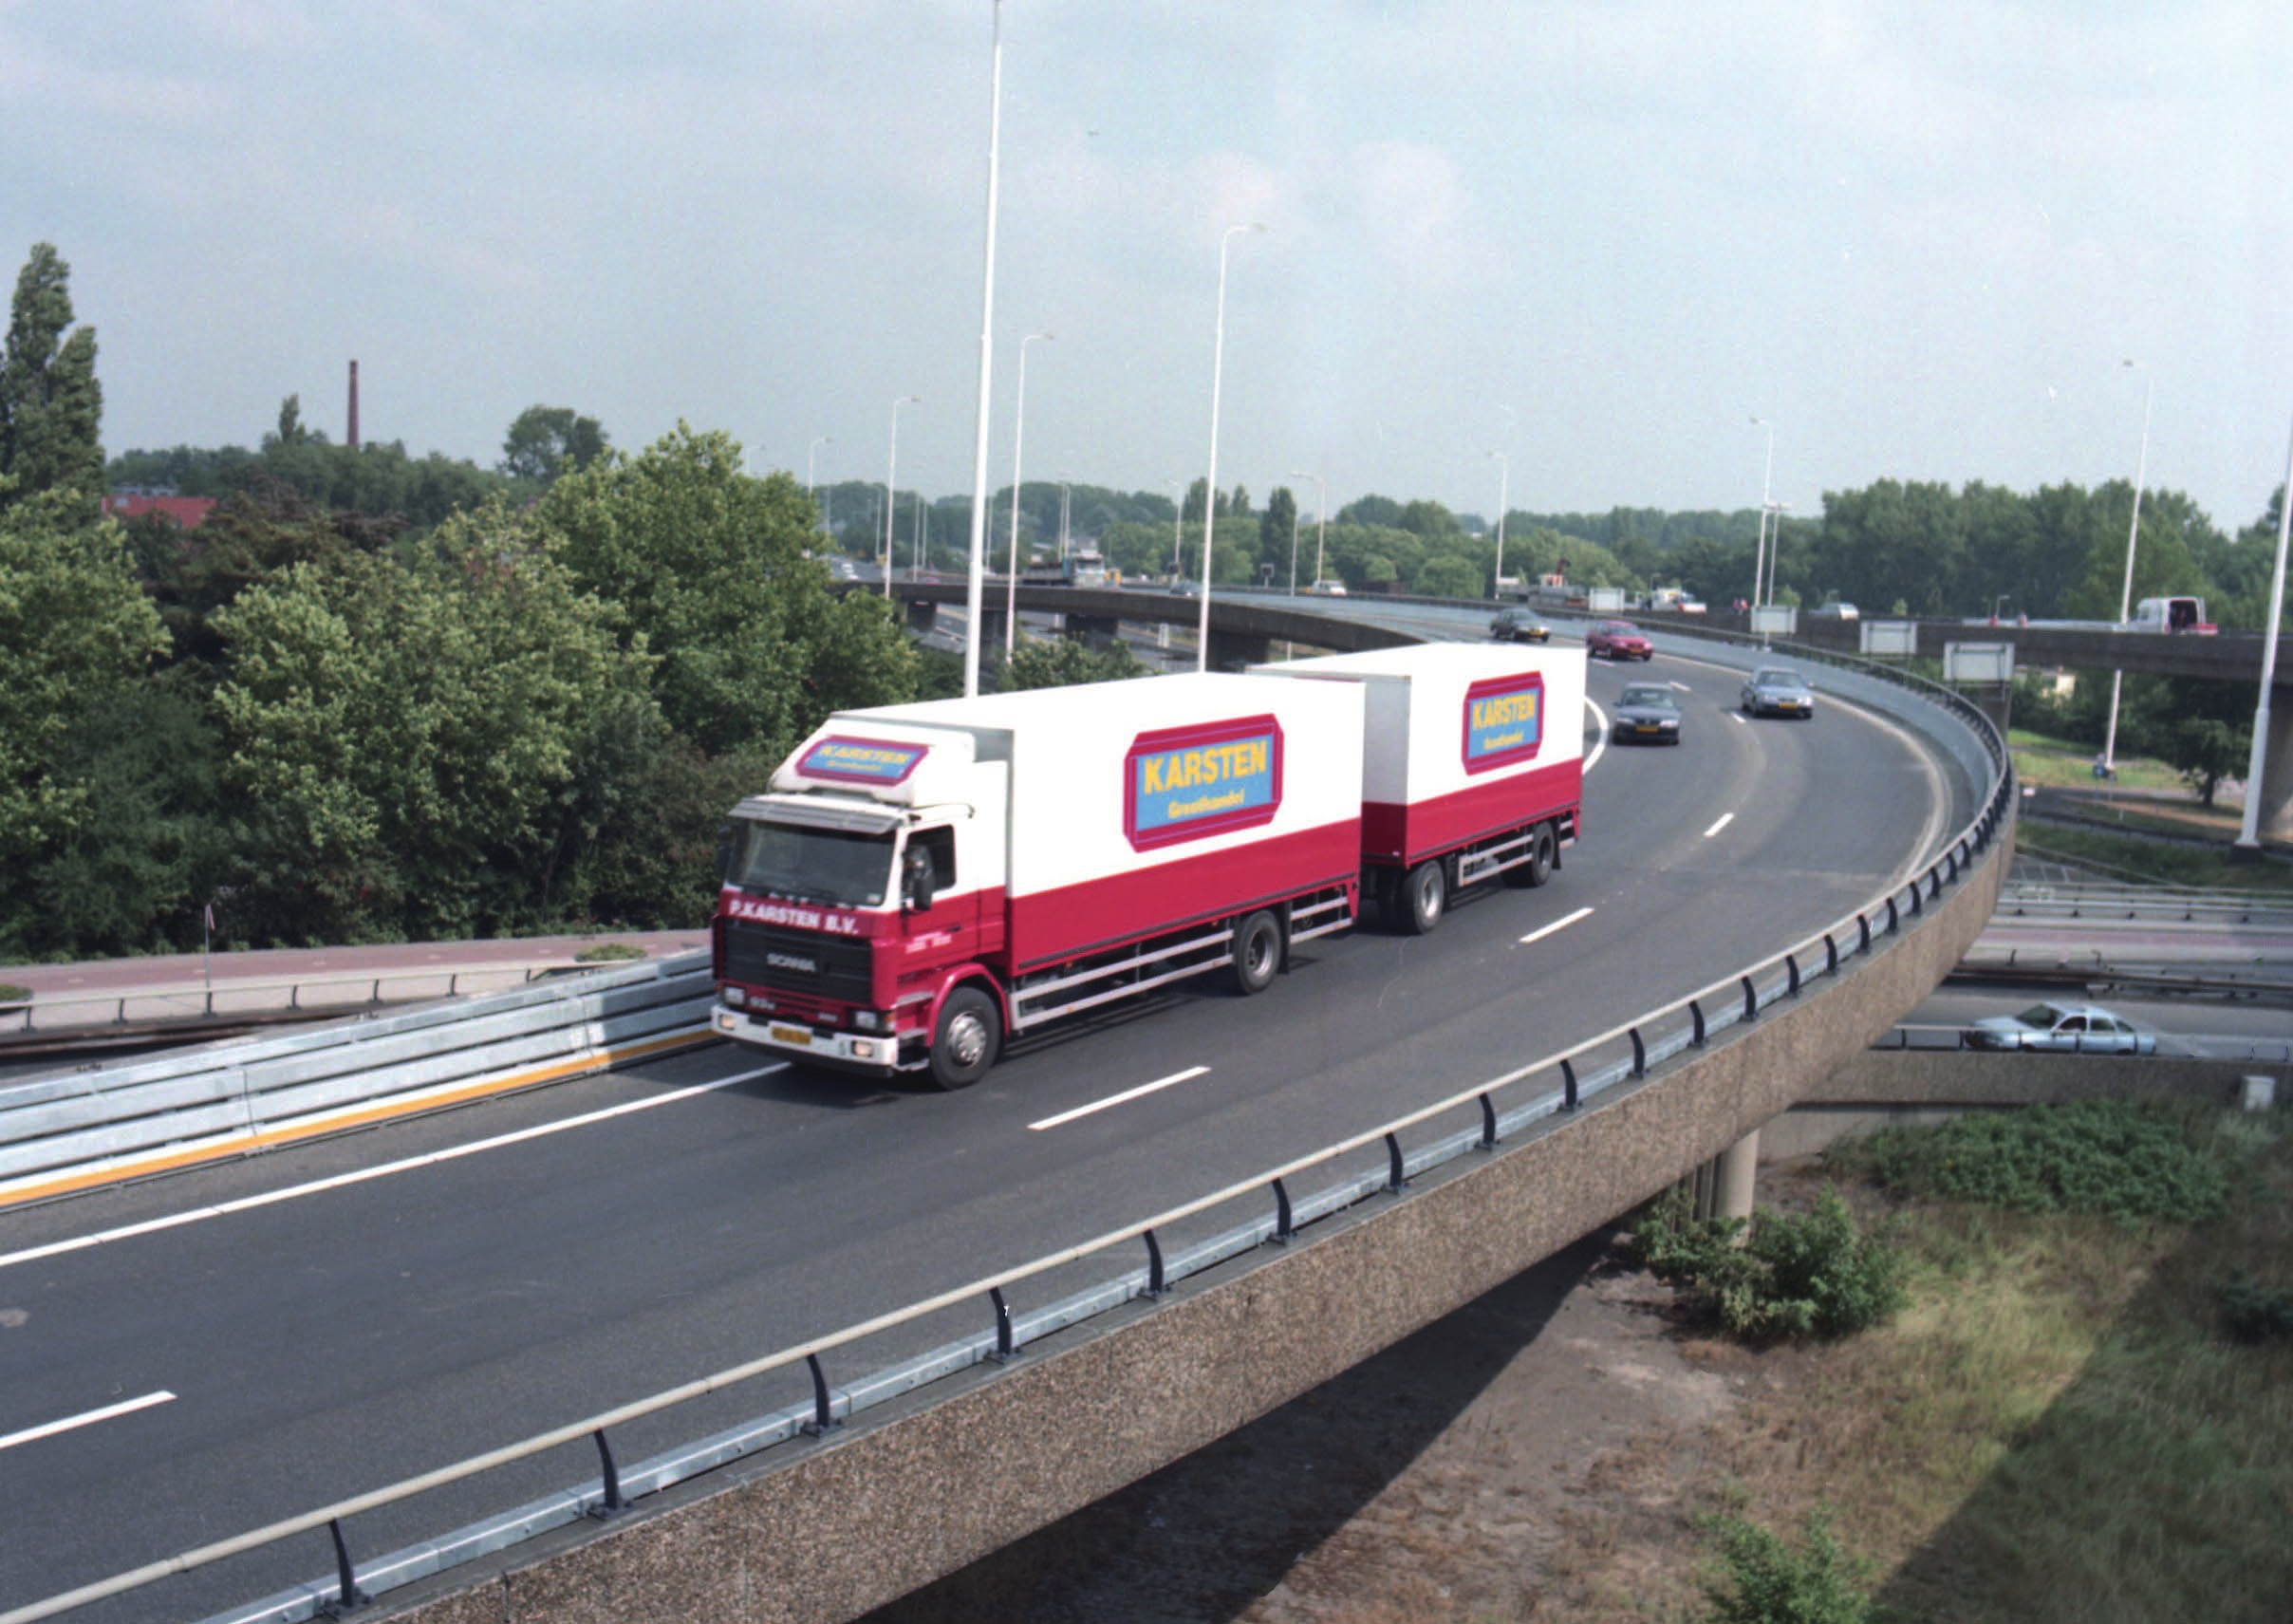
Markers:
point(447, 1325)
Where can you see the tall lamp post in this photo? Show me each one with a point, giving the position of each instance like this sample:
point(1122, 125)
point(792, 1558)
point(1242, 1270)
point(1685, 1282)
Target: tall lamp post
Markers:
point(1218, 361)
point(1767, 481)
point(2125, 597)
point(1504, 473)
point(891, 474)
point(2248, 833)
point(1178, 528)
point(818, 441)
point(1018, 431)
point(1321, 523)
point(1775, 545)
point(975, 575)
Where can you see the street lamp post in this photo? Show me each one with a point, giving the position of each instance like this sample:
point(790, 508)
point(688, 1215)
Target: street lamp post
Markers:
point(891, 474)
point(1064, 487)
point(1997, 605)
point(975, 575)
point(1018, 431)
point(1775, 544)
point(1218, 361)
point(2125, 598)
point(818, 441)
point(1767, 481)
point(1178, 528)
point(2248, 832)
point(1504, 473)
point(1321, 522)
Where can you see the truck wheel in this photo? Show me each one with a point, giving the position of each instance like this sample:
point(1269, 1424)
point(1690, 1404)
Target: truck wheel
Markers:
point(1425, 896)
point(964, 1042)
point(1257, 953)
point(1539, 868)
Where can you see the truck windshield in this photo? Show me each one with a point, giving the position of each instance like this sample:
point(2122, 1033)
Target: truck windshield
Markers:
point(813, 864)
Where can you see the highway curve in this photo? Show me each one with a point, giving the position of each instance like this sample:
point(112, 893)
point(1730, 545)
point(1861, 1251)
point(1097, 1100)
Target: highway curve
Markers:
point(331, 1341)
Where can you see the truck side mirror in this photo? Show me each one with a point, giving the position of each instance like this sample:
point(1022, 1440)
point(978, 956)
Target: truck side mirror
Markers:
point(916, 881)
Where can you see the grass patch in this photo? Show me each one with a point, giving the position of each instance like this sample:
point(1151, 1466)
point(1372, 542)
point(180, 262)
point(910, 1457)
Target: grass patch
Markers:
point(608, 953)
point(1758, 1577)
point(11, 993)
point(2154, 861)
point(2063, 764)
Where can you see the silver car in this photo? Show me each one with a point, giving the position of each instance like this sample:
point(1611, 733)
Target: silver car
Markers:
point(1776, 690)
point(1647, 715)
point(2064, 1029)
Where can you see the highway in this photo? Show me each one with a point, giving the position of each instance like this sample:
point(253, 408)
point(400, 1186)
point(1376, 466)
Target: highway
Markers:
point(311, 1345)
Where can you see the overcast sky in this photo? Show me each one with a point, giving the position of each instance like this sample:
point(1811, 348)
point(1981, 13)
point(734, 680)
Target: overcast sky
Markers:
point(1598, 236)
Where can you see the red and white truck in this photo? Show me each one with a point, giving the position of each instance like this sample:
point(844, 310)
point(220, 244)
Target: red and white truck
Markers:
point(1472, 767)
point(922, 881)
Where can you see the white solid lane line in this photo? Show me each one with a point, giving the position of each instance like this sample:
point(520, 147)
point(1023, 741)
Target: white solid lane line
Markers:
point(1737, 718)
point(1127, 1094)
point(1545, 930)
point(200, 1214)
point(1725, 819)
point(107, 1413)
point(1684, 687)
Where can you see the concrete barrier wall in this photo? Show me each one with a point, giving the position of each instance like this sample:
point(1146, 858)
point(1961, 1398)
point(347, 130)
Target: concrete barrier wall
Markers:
point(824, 1531)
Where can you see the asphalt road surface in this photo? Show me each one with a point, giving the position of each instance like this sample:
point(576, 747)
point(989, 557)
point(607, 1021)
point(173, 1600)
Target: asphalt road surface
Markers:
point(176, 1374)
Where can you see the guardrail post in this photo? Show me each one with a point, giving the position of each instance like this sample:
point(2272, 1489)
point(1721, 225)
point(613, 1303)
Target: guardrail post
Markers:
point(1895, 920)
point(349, 1596)
point(1917, 903)
point(1951, 857)
point(1284, 1230)
point(1639, 1054)
point(1155, 1283)
point(1695, 1015)
point(1394, 1180)
point(612, 1505)
point(1791, 971)
point(1934, 884)
point(824, 1415)
point(1862, 933)
point(1831, 955)
point(1751, 998)
point(1488, 1123)
point(1003, 1348)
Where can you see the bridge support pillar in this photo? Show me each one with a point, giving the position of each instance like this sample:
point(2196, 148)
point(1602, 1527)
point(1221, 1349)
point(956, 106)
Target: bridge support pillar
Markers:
point(922, 614)
point(1733, 1171)
point(1097, 631)
point(2276, 789)
point(991, 628)
point(1232, 651)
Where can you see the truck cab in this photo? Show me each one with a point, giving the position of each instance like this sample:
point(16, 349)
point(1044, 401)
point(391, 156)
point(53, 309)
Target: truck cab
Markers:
point(848, 892)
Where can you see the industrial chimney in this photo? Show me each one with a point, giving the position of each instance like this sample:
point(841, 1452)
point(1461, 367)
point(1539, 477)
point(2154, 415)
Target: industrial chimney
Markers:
point(354, 405)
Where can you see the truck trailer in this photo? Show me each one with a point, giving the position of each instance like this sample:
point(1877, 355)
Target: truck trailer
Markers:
point(1472, 766)
point(922, 881)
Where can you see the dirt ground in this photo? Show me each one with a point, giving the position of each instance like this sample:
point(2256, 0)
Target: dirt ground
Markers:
point(1541, 1453)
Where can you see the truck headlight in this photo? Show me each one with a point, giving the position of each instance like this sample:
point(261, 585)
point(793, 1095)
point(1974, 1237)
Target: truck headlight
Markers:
point(867, 1020)
point(734, 997)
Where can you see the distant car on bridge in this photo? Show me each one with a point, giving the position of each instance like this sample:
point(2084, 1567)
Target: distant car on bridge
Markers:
point(1520, 626)
point(2063, 1029)
point(2173, 615)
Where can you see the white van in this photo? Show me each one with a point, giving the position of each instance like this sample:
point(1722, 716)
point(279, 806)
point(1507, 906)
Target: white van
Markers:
point(2173, 614)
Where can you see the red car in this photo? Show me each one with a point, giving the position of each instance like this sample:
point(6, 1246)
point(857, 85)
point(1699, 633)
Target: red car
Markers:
point(1618, 640)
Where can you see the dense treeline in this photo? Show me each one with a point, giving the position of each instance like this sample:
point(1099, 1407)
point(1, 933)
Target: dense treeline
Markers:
point(378, 696)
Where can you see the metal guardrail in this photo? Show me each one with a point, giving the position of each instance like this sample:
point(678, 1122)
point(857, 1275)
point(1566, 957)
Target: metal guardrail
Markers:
point(70, 1123)
point(1582, 1072)
point(2105, 905)
point(199, 1000)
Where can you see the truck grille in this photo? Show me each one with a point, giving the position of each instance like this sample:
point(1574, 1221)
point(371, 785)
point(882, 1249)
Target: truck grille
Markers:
point(797, 962)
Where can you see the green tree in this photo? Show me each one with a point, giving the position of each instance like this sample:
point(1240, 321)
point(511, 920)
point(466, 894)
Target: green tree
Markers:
point(1062, 661)
point(1278, 530)
point(75, 633)
point(51, 407)
point(706, 566)
point(403, 732)
point(542, 439)
point(1448, 577)
point(291, 430)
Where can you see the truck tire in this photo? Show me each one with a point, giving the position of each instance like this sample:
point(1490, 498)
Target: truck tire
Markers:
point(1257, 952)
point(1539, 868)
point(1423, 896)
point(966, 1040)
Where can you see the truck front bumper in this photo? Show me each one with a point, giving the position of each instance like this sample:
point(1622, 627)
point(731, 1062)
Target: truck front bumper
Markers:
point(848, 1050)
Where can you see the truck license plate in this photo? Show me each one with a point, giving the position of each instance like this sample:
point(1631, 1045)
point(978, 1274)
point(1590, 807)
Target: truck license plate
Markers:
point(796, 1034)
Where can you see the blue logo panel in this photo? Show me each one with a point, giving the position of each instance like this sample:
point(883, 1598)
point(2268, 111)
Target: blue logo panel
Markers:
point(1504, 721)
point(1189, 783)
point(861, 760)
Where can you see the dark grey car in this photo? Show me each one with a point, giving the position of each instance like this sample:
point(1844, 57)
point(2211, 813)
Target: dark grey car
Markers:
point(1776, 690)
point(1647, 714)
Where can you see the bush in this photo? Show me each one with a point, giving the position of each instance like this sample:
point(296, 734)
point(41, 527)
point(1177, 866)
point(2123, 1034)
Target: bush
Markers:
point(607, 953)
point(11, 993)
point(2255, 1312)
point(1810, 1273)
point(2131, 1159)
point(1758, 1578)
